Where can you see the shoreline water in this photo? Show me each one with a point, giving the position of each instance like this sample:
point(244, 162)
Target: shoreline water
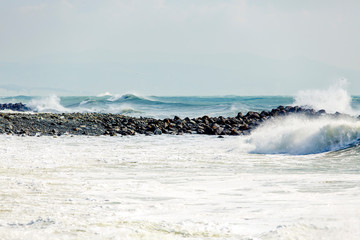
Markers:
point(191, 187)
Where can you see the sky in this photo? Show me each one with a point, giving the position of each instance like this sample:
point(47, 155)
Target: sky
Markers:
point(169, 47)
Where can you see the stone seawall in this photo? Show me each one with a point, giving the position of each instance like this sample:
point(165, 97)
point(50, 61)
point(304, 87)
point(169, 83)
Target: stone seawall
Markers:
point(94, 124)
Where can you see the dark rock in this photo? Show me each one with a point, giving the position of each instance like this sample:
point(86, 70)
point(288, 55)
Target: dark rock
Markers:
point(244, 127)
point(252, 115)
point(19, 107)
point(239, 115)
point(95, 124)
point(208, 130)
point(200, 131)
point(264, 114)
point(55, 131)
point(221, 120)
point(292, 109)
point(219, 131)
point(157, 132)
point(235, 132)
point(281, 112)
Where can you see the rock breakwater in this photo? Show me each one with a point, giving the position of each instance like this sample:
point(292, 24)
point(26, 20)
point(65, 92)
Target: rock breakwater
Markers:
point(19, 107)
point(95, 124)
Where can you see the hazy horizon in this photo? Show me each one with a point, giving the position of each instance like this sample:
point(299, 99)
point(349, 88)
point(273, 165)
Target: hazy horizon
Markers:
point(170, 48)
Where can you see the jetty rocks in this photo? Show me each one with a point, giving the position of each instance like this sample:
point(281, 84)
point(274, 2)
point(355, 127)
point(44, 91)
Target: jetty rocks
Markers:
point(19, 107)
point(95, 124)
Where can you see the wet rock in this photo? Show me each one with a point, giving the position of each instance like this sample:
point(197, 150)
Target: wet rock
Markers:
point(239, 115)
point(209, 130)
point(18, 107)
point(234, 132)
point(244, 127)
point(95, 124)
point(200, 131)
point(157, 132)
point(55, 131)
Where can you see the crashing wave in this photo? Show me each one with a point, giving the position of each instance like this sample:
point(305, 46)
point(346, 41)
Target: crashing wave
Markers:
point(334, 99)
point(299, 134)
point(51, 103)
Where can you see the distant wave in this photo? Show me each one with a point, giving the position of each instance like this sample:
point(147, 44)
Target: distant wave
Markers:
point(47, 104)
point(332, 99)
point(104, 94)
point(132, 98)
point(129, 96)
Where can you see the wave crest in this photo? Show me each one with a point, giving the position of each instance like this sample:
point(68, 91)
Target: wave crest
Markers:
point(47, 104)
point(334, 99)
point(299, 135)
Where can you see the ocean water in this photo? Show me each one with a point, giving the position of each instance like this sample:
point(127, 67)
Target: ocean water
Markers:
point(292, 178)
point(333, 99)
point(153, 106)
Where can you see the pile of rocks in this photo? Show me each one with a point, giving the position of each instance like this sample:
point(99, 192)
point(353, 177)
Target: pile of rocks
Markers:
point(18, 107)
point(95, 124)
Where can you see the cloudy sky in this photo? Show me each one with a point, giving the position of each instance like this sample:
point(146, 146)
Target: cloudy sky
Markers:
point(177, 47)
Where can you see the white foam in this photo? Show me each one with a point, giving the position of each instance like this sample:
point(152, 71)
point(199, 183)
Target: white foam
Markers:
point(104, 94)
point(115, 97)
point(306, 231)
point(334, 99)
point(47, 104)
point(299, 134)
point(169, 187)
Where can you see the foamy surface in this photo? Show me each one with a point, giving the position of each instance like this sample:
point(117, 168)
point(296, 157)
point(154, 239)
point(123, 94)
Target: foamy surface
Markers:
point(173, 187)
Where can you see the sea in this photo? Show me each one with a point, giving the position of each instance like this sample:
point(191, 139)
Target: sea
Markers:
point(293, 177)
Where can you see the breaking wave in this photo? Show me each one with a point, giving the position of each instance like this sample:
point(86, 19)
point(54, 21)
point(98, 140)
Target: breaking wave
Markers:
point(333, 99)
point(158, 107)
point(299, 135)
point(47, 104)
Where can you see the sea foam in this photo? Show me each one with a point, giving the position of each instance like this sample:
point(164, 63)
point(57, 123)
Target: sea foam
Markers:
point(333, 99)
point(299, 134)
point(191, 187)
point(47, 104)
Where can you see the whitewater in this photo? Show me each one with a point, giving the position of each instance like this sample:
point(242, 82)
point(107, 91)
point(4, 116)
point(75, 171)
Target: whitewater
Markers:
point(293, 177)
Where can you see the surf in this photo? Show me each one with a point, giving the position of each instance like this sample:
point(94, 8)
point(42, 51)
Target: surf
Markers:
point(302, 135)
point(299, 134)
point(333, 99)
